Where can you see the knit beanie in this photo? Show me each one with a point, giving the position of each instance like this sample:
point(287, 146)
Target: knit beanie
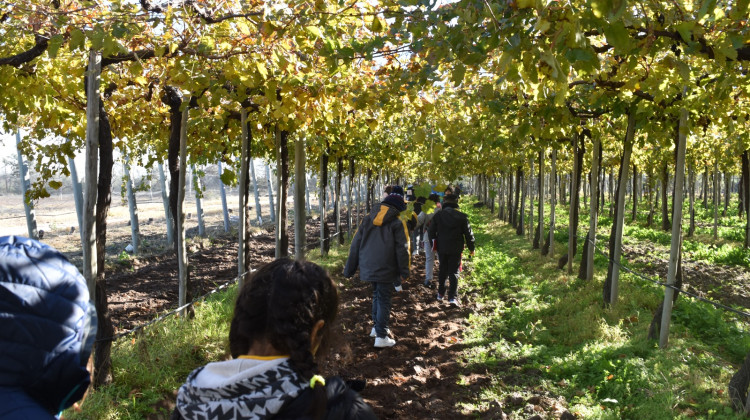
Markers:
point(396, 198)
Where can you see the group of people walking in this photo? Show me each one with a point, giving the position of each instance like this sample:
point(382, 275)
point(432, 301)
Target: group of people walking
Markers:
point(282, 320)
point(381, 250)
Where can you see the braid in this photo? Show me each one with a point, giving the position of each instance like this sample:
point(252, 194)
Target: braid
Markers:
point(282, 303)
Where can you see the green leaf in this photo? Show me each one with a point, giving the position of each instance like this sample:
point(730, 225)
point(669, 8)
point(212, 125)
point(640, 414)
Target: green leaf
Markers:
point(261, 69)
point(77, 39)
point(119, 30)
point(54, 45)
point(740, 8)
point(419, 135)
point(600, 7)
point(617, 36)
point(97, 38)
point(458, 74)
point(314, 31)
point(55, 184)
point(579, 54)
point(706, 6)
point(685, 30)
point(377, 25)
point(228, 177)
point(616, 9)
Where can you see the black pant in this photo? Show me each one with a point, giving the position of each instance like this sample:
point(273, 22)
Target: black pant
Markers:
point(449, 264)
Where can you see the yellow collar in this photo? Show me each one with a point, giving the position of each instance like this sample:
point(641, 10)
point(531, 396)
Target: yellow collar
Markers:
point(247, 356)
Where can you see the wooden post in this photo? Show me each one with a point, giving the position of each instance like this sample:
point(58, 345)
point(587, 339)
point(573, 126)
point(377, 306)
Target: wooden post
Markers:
point(300, 182)
point(90, 269)
point(676, 228)
point(182, 263)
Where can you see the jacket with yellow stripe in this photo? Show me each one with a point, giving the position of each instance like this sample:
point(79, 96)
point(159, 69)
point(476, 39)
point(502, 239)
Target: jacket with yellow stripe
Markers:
point(380, 247)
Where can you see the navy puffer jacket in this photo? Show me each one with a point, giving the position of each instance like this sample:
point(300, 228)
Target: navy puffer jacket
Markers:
point(47, 326)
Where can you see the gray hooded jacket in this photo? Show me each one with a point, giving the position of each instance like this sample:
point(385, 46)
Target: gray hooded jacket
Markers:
point(380, 247)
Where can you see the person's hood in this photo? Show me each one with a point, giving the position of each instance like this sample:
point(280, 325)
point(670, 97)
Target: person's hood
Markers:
point(239, 388)
point(47, 324)
point(384, 213)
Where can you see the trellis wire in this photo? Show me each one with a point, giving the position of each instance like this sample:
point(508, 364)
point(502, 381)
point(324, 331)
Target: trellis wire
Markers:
point(659, 283)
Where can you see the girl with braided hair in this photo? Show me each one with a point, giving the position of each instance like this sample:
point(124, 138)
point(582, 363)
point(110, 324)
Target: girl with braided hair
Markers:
point(282, 318)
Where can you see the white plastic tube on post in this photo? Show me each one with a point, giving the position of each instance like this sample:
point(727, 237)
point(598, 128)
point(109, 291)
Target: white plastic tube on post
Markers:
point(198, 203)
point(165, 200)
point(91, 170)
point(132, 208)
point(553, 200)
point(223, 193)
point(77, 195)
point(620, 220)
point(258, 210)
point(674, 252)
point(300, 183)
point(27, 206)
point(182, 262)
point(242, 241)
point(593, 209)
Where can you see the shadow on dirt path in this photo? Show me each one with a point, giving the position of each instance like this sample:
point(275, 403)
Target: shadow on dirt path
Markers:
point(418, 377)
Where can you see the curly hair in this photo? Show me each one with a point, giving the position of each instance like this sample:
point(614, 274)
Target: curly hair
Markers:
point(281, 303)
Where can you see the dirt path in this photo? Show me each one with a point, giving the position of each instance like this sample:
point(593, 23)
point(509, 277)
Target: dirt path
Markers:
point(418, 377)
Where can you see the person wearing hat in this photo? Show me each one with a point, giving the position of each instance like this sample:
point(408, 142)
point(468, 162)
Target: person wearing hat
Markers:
point(47, 329)
point(451, 230)
point(380, 250)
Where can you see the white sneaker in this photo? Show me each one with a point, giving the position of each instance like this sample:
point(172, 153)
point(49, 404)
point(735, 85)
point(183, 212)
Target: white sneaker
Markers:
point(384, 342)
point(454, 302)
point(373, 334)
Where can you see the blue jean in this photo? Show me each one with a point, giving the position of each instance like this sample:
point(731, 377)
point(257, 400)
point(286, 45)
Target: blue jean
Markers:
point(429, 260)
point(381, 306)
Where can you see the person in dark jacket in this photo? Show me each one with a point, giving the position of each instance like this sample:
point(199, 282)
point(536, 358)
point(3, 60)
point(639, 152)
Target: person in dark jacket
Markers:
point(380, 249)
point(282, 320)
point(47, 329)
point(451, 230)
